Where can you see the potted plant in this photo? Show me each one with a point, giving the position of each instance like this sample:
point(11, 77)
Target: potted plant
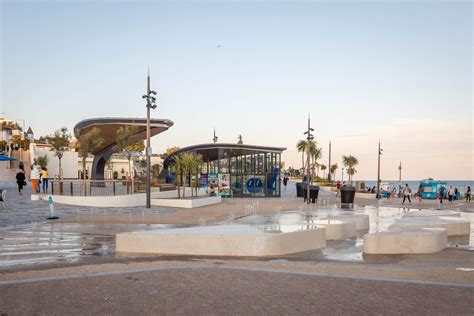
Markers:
point(348, 191)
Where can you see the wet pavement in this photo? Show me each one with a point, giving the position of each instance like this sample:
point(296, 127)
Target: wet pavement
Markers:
point(26, 238)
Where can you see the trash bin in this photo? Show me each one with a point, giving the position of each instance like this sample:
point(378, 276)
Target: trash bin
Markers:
point(299, 189)
point(313, 193)
point(348, 195)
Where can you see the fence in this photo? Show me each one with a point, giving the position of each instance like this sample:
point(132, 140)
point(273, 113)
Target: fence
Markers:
point(93, 187)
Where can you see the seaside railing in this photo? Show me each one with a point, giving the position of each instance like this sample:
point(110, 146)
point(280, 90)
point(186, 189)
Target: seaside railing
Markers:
point(93, 187)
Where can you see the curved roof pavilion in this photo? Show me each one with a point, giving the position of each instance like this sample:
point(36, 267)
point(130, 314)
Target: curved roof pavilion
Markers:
point(211, 152)
point(108, 127)
point(234, 170)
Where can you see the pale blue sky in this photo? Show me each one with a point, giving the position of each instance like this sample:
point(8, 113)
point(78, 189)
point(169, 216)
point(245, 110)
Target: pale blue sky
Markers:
point(398, 71)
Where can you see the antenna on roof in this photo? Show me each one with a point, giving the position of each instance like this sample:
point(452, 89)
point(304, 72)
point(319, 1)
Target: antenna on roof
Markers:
point(214, 139)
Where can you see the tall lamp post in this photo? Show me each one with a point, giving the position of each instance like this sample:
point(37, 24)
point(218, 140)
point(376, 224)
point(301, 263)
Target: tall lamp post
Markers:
point(378, 172)
point(150, 104)
point(342, 176)
point(309, 138)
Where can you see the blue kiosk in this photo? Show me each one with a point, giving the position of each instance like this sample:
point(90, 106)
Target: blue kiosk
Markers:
point(431, 188)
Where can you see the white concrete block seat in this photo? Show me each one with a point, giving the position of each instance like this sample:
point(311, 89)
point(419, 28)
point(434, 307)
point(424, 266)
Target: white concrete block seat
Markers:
point(361, 220)
point(221, 240)
point(454, 226)
point(424, 213)
point(337, 229)
point(415, 241)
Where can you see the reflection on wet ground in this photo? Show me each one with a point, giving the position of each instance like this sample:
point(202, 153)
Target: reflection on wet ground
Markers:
point(350, 249)
point(74, 242)
point(58, 242)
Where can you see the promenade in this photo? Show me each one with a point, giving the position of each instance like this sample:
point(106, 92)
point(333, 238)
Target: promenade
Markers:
point(62, 266)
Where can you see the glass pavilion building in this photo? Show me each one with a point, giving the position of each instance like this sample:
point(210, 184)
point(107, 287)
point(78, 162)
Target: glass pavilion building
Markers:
point(235, 170)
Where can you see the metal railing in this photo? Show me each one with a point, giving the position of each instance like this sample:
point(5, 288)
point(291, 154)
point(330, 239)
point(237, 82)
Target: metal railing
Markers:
point(94, 187)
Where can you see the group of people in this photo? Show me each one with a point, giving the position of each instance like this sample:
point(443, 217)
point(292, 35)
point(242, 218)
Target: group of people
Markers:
point(453, 194)
point(38, 176)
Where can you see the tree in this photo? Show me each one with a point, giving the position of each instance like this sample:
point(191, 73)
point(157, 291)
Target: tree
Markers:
point(187, 161)
point(323, 168)
point(315, 153)
point(195, 167)
point(301, 147)
point(350, 162)
point(42, 161)
point(127, 144)
point(332, 170)
point(3, 145)
point(17, 142)
point(155, 169)
point(59, 142)
point(240, 140)
point(88, 143)
point(178, 169)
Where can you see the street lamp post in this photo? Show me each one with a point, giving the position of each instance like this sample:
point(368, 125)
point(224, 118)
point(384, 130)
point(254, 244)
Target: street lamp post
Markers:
point(378, 171)
point(150, 104)
point(342, 176)
point(309, 138)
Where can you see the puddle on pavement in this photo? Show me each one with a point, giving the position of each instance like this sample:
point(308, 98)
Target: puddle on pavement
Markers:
point(57, 242)
point(72, 242)
point(380, 218)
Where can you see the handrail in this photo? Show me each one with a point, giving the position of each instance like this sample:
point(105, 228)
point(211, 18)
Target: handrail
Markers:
point(94, 187)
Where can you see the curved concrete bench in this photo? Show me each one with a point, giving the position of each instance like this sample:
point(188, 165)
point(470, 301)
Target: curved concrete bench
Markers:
point(361, 220)
point(420, 241)
point(453, 225)
point(424, 213)
point(221, 240)
point(337, 229)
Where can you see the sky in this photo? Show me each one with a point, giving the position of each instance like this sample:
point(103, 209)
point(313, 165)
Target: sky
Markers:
point(398, 72)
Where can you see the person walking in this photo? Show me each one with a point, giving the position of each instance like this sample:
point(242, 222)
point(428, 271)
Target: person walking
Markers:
point(285, 180)
point(20, 181)
point(35, 178)
point(442, 192)
point(451, 194)
point(338, 188)
point(45, 179)
point(406, 194)
point(468, 194)
point(420, 193)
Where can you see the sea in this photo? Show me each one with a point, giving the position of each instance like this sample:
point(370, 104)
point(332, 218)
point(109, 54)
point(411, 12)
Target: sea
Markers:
point(460, 184)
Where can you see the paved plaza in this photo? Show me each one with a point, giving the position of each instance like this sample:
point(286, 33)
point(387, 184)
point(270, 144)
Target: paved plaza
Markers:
point(61, 266)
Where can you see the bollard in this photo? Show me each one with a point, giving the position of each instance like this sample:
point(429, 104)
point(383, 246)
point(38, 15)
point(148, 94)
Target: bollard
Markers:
point(51, 209)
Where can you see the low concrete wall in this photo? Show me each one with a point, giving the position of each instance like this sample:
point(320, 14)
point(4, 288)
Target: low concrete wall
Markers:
point(454, 226)
point(337, 229)
point(117, 200)
point(187, 203)
point(222, 240)
point(430, 240)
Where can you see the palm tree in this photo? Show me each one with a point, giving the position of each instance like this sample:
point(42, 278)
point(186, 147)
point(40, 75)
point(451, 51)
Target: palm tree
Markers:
point(178, 169)
point(301, 147)
point(195, 167)
point(350, 162)
point(315, 153)
point(332, 170)
point(323, 168)
point(187, 164)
